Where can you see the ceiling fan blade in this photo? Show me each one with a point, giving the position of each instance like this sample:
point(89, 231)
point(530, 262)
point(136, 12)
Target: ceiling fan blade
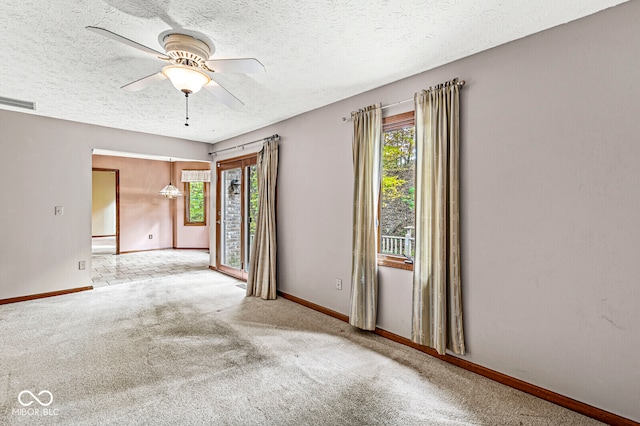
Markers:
point(117, 37)
point(144, 82)
point(223, 95)
point(242, 65)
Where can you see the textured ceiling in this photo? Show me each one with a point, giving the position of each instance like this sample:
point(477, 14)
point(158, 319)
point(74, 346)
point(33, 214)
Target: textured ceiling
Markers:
point(315, 53)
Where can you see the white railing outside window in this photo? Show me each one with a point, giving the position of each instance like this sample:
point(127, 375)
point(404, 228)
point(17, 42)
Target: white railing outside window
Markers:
point(401, 246)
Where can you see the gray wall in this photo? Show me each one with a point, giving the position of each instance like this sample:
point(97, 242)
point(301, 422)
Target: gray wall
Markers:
point(45, 163)
point(550, 199)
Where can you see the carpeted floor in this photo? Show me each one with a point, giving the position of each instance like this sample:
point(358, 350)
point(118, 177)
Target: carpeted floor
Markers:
point(192, 350)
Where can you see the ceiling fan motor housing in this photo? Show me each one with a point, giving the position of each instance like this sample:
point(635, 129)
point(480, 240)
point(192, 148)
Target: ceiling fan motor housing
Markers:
point(186, 50)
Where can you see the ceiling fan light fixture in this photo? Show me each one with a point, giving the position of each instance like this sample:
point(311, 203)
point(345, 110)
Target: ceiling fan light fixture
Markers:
point(186, 79)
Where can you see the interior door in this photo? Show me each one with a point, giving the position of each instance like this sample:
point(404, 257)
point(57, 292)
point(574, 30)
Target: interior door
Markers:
point(236, 209)
point(105, 211)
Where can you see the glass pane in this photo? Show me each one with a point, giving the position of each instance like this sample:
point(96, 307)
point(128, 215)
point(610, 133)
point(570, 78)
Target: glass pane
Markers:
point(397, 202)
point(252, 210)
point(231, 220)
point(196, 208)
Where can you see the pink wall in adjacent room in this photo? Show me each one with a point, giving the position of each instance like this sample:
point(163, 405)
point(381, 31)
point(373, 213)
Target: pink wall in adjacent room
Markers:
point(189, 236)
point(142, 211)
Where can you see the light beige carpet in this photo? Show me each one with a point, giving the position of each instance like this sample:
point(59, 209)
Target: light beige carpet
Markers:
point(192, 350)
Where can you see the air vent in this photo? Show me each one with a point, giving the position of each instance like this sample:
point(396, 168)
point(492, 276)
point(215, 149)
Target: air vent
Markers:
point(18, 103)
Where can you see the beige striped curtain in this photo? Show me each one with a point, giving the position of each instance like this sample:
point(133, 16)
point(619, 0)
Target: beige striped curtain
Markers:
point(437, 299)
point(367, 151)
point(261, 280)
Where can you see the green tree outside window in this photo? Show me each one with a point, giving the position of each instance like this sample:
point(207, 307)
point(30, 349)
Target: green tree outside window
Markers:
point(195, 207)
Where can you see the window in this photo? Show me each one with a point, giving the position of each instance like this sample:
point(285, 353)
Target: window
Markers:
point(195, 209)
point(396, 231)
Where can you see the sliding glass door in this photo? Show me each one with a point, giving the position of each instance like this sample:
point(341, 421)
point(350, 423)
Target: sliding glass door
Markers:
point(235, 217)
point(251, 196)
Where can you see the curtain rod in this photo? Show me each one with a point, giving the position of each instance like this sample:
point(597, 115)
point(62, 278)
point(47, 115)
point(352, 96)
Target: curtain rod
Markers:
point(242, 145)
point(459, 83)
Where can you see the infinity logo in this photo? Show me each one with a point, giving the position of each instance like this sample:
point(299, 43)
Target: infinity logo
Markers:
point(36, 398)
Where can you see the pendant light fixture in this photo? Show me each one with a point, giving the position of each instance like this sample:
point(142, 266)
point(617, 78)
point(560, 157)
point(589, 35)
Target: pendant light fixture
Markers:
point(170, 191)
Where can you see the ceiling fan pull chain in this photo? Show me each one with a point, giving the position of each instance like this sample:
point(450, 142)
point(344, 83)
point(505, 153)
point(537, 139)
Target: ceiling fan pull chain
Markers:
point(186, 122)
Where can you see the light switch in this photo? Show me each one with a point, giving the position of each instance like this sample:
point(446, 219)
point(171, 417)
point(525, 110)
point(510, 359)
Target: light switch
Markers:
point(59, 210)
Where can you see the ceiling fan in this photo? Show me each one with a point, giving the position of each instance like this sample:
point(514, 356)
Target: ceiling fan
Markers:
point(189, 68)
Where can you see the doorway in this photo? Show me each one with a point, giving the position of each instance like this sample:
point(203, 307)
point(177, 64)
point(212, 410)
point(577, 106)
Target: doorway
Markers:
point(105, 211)
point(237, 208)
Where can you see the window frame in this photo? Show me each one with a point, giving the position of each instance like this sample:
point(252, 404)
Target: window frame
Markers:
point(391, 123)
point(187, 202)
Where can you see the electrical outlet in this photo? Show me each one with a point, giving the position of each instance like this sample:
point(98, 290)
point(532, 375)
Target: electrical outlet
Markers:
point(59, 211)
point(81, 265)
point(338, 284)
point(151, 236)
